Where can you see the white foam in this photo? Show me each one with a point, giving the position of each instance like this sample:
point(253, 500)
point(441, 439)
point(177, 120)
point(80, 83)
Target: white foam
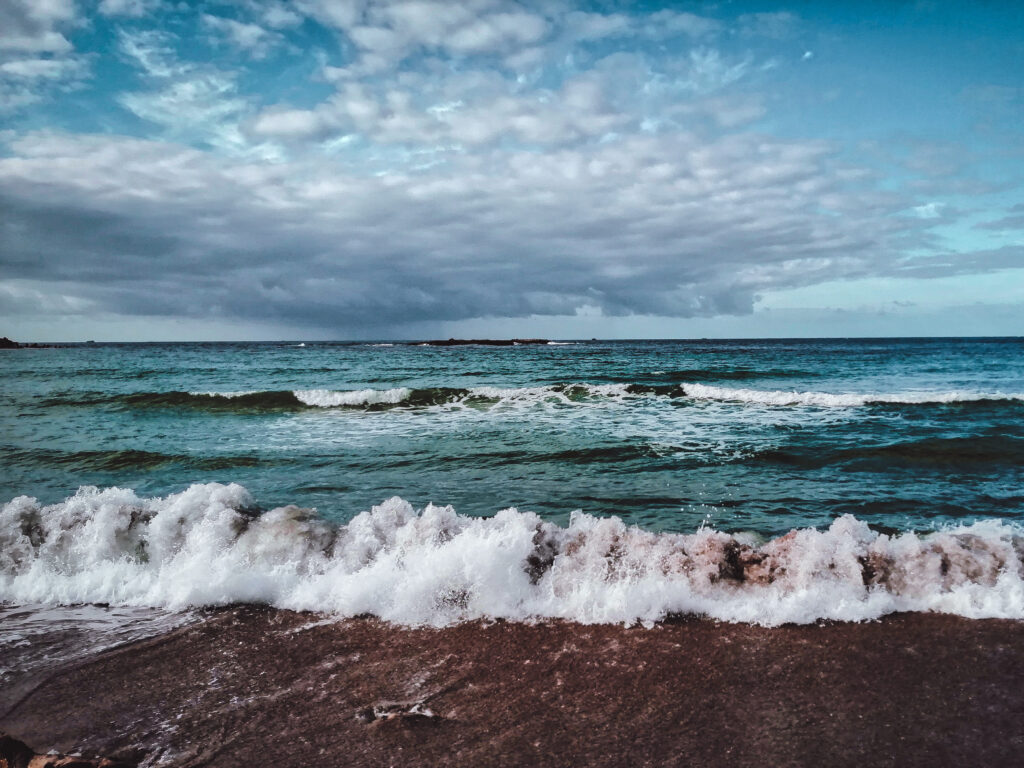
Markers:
point(200, 547)
point(831, 400)
point(325, 398)
point(561, 394)
point(228, 395)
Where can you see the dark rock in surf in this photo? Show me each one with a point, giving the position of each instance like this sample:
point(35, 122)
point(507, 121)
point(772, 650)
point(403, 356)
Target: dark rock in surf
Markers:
point(408, 714)
point(17, 754)
point(14, 753)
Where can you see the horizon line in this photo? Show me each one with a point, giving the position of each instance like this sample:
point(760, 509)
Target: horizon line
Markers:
point(413, 341)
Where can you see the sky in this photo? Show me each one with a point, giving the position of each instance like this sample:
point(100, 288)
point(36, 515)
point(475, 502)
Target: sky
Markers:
point(354, 169)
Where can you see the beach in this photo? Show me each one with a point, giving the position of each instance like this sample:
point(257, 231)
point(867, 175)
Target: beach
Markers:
point(752, 552)
point(252, 685)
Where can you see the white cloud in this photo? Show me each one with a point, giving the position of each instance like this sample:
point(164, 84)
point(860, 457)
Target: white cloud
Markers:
point(929, 210)
point(153, 51)
point(37, 60)
point(44, 69)
point(577, 111)
point(253, 39)
point(291, 124)
point(667, 22)
point(596, 26)
point(193, 102)
point(771, 24)
point(388, 32)
point(130, 8)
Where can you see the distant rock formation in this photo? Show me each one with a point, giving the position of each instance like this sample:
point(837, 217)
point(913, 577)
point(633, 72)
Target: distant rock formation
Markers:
point(6, 343)
point(480, 342)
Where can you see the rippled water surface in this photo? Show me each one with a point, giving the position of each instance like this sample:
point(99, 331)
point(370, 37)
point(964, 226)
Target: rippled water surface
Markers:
point(756, 436)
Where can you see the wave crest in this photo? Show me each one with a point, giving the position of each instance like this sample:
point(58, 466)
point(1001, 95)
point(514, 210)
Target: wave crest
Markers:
point(839, 400)
point(209, 546)
point(569, 393)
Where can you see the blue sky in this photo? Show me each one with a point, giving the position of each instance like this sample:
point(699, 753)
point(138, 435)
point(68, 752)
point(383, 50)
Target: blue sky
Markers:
point(409, 168)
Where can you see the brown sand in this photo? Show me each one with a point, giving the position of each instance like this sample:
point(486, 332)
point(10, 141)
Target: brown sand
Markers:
point(255, 686)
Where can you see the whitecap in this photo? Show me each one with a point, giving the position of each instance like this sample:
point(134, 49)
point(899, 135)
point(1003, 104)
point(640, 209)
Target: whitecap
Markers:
point(204, 546)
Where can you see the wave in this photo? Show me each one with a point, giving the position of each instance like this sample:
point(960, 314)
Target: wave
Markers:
point(382, 399)
point(369, 399)
point(113, 460)
point(839, 400)
point(983, 452)
point(208, 545)
point(732, 374)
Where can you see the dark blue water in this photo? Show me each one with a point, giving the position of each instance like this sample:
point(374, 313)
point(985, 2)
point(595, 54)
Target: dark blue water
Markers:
point(744, 435)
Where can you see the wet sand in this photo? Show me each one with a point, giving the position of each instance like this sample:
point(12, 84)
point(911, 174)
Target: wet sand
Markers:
point(256, 686)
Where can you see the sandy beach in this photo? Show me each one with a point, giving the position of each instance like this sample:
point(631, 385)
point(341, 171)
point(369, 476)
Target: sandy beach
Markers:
point(258, 686)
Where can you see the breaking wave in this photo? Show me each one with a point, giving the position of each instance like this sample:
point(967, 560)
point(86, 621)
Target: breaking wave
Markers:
point(406, 397)
point(209, 545)
point(830, 400)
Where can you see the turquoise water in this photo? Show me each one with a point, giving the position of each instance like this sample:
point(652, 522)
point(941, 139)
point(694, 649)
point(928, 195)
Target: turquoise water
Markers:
point(757, 436)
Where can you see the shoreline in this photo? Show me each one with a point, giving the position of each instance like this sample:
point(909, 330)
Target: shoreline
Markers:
point(250, 685)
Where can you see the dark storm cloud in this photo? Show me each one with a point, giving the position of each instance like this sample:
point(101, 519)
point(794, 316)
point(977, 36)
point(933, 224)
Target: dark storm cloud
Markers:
point(663, 225)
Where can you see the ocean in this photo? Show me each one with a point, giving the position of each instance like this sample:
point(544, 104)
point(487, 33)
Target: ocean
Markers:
point(761, 481)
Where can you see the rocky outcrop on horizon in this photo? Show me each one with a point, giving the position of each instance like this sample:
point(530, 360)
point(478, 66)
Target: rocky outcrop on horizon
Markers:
point(479, 342)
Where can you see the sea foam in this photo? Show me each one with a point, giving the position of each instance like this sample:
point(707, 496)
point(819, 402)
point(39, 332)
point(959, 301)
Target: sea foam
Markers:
point(591, 393)
point(209, 546)
point(834, 400)
point(325, 398)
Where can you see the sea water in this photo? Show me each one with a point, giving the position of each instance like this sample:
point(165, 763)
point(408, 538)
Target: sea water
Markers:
point(750, 480)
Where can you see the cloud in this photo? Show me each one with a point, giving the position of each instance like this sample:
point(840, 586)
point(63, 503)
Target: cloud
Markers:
point(389, 32)
point(35, 26)
point(577, 110)
point(153, 51)
point(193, 102)
point(455, 161)
point(251, 39)
point(441, 106)
point(1014, 220)
point(37, 61)
point(276, 15)
point(130, 8)
point(42, 69)
point(142, 227)
point(668, 22)
point(775, 24)
point(931, 210)
point(25, 81)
